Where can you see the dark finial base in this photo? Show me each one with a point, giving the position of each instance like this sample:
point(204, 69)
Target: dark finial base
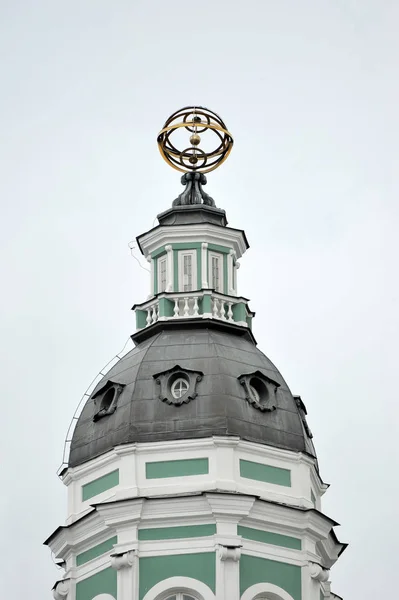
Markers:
point(193, 194)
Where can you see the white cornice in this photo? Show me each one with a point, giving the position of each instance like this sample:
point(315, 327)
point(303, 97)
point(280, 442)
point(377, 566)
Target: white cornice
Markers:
point(203, 232)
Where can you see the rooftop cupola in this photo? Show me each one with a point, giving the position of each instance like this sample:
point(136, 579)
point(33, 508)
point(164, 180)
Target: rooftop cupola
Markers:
point(194, 255)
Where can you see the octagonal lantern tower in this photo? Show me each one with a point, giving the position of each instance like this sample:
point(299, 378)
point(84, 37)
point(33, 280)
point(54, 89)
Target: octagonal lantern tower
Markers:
point(192, 472)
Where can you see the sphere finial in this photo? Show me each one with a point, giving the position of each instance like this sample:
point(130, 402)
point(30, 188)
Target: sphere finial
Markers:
point(197, 120)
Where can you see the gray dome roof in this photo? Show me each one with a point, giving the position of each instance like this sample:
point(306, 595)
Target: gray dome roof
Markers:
point(222, 355)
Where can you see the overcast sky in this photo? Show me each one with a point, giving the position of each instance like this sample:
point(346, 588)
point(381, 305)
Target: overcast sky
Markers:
point(310, 91)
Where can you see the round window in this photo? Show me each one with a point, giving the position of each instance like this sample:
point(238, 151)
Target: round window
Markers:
point(179, 387)
point(258, 390)
point(107, 399)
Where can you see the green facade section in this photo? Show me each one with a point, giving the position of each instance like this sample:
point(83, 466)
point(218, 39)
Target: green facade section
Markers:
point(261, 570)
point(153, 569)
point(240, 312)
point(166, 307)
point(97, 486)
point(98, 550)
point(141, 319)
point(266, 473)
point(176, 468)
point(268, 537)
point(103, 582)
point(313, 497)
point(170, 533)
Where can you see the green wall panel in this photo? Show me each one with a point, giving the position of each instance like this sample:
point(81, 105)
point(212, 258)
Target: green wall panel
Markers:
point(176, 468)
point(98, 550)
point(313, 497)
point(154, 569)
point(266, 473)
point(141, 318)
point(97, 486)
point(161, 250)
point(169, 533)
point(103, 582)
point(267, 537)
point(261, 570)
point(218, 248)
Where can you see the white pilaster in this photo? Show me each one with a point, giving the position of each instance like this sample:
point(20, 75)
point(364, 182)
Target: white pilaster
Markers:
point(126, 566)
point(228, 573)
point(230, 270)
point(204, 275)
point(169, 268)
point(151, 262)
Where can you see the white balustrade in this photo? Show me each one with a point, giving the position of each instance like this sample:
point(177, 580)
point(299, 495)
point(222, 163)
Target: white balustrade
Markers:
point(152, 313)
point(186, 306)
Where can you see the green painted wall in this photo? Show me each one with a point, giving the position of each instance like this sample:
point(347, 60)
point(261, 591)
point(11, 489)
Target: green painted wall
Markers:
point(141, 319)
point(98, 550)
point(176, 468)
point(95, 487)
point(103, 582)
point(321, 595)
point(313, 497)
point(239, 312)
point(218, 248)
point(166, 307)
point(261, 570)
point(266, 473)
point(154, 569)
point(170, 533)
point(161, 250)
point(267, 537)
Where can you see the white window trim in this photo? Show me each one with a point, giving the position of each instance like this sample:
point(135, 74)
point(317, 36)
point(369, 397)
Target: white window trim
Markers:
point(161, 259)
point(181, 255)
point(186, 585)
point(272, 592)
point(220, 257)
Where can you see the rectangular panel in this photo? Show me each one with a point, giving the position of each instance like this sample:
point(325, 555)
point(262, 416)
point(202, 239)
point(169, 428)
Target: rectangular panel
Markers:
point(267, 537)
point(176, 468)
point(97, 486)
point(96, 551)
point(169, 533)
point(266, 473)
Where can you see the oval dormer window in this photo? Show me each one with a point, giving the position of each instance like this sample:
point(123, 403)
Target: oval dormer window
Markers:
point(179, 387)
point(258, 390)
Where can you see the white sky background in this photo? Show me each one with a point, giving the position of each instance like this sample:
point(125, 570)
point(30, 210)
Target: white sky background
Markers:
point(309, 90)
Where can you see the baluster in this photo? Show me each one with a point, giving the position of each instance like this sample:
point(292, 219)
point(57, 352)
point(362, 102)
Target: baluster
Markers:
point(215, 308)
point(222, 310)
point(195, 307)
point(148, 319)
point(176, 308)
point(230, 312)
point(154, 313)
point(185, 313)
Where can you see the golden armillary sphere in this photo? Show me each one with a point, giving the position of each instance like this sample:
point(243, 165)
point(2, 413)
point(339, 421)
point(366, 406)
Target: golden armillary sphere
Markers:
point(202, 125)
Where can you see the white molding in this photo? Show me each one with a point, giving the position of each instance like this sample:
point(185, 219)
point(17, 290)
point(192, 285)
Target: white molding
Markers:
point(202, 232)
point(272, 592)
point(204, 265)
point(187, 585)
point(104, 597)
